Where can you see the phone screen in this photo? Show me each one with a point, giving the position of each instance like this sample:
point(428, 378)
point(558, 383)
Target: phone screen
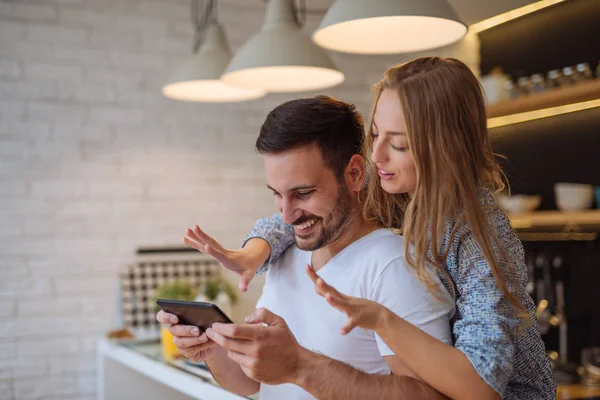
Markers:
point(195, 313)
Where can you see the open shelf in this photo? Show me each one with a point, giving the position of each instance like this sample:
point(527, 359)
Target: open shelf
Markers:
point(574, 221)
point(584, 91)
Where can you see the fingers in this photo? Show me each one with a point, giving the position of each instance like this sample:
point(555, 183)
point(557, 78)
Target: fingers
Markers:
point(186, 342)
point(241, 359)
point(166, 318)
point(237, 331)
point(325, 288)
point(193, 243)
point(192, 235)
point(197, 239)
point(198, 353)
point(266, 317)
point(312, 274)
point(203, 237)
point(321, 287)
point(350, 324)
point(237, 345)
point(333, 297)
point(340, 303)
point(245, 280)
point(184, 330)
point(217, 253)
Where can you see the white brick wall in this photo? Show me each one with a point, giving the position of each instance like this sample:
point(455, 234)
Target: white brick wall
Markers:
point(94, 162)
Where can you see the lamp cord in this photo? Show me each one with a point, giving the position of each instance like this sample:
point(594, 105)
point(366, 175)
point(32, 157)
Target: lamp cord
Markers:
point(205, 14)
point(299, 12)
point(202, 16)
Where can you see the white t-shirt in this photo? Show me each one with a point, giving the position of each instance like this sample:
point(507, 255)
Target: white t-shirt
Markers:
point(372, 267)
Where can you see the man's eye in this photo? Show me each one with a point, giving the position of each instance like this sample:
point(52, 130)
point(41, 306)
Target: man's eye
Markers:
point(303, 195)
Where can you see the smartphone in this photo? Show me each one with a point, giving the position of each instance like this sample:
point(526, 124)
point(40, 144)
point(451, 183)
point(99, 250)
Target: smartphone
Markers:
point(195, 313)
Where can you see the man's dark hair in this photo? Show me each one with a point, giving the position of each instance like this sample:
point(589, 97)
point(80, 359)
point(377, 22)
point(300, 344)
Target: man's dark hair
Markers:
point(334, 126)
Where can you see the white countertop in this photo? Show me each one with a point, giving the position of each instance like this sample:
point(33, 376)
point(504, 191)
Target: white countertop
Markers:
point(195, 383)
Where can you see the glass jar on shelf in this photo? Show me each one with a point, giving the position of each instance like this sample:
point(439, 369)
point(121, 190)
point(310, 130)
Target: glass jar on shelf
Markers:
point(553, 79)
point(524, 85)
point(511, 89)
point(568, 74)
point(583, 72)
point(538, 84)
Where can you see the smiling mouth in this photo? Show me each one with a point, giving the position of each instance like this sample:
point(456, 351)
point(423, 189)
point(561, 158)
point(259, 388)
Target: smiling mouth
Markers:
point(305, 226)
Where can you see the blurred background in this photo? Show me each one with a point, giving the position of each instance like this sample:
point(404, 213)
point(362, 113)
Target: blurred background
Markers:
point(106, 157)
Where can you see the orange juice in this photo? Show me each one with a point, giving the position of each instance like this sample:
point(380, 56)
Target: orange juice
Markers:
point(169, 349)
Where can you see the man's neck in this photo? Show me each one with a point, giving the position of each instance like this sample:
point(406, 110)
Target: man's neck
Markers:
point(358, 228)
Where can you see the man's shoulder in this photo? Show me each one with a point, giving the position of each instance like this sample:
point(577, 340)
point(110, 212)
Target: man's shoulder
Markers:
point(290, 256)
point(381, 244)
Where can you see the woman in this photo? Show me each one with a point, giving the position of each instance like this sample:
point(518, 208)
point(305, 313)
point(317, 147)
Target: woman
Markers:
point(432, 176)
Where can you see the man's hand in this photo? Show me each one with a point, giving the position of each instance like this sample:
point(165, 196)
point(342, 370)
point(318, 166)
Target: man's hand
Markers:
point(193, 344)
point(268, 354)
point(244, 262)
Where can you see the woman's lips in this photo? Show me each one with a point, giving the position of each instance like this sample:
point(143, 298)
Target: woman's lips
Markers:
point(384, 174)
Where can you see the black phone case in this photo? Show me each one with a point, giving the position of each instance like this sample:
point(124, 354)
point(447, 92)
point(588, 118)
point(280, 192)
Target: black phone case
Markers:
point(195, 313)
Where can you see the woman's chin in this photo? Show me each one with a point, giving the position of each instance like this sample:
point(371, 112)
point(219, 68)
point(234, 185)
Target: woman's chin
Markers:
point(391, 187)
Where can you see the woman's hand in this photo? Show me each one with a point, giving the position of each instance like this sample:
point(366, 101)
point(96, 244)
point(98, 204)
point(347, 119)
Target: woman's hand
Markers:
point(244, 262)
point(363, 313)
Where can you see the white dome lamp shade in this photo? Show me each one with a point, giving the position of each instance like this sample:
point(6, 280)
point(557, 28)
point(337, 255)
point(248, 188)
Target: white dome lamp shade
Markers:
point(199, 79)
point(388, 26)
point(280, 58)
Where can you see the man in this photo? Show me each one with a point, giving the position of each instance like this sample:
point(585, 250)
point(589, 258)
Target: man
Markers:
point(290, 347)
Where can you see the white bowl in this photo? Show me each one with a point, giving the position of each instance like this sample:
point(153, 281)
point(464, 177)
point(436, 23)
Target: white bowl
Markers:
point(573, 196)
point(519, 203)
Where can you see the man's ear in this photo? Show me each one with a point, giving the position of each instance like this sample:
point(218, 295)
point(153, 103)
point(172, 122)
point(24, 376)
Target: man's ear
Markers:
point(355, 173)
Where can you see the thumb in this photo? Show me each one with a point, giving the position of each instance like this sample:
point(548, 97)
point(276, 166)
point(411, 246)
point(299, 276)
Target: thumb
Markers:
point(244, 281)
point(262, 315)
point(350, 324)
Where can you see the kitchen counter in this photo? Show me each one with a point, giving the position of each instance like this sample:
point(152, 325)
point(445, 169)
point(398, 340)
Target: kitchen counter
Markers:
point(129, 370)
point(136, 370)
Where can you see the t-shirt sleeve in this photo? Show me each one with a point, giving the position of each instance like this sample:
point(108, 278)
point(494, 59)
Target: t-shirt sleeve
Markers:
point(399, 289)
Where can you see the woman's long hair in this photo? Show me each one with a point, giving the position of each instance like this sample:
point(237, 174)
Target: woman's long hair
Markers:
point(446, 125)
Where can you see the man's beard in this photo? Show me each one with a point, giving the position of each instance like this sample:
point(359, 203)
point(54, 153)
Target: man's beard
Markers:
point(333, 225)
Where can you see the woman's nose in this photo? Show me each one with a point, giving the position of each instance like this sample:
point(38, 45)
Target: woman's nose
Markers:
point(378, 155)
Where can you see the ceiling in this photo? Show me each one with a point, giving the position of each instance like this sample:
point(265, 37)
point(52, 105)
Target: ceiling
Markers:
point(243, 18)
point(470, 11)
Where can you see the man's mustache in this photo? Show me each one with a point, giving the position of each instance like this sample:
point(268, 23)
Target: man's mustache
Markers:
point(304, 218)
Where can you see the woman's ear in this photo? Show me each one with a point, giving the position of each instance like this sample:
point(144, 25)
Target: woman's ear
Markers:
point(355, 174)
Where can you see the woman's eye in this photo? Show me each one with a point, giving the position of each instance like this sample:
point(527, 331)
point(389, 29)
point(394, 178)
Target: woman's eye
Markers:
point(401, 148)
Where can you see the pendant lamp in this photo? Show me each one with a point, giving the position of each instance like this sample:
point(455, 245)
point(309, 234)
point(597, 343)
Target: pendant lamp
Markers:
point(199, 79)
point(388, 26)
point(281, 58)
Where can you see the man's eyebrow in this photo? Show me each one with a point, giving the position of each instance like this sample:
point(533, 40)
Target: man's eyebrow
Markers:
point(390, 132)
point(295, 188)
point(302, 187)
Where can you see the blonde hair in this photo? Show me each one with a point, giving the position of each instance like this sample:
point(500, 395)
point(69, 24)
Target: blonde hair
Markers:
point(447, 132)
